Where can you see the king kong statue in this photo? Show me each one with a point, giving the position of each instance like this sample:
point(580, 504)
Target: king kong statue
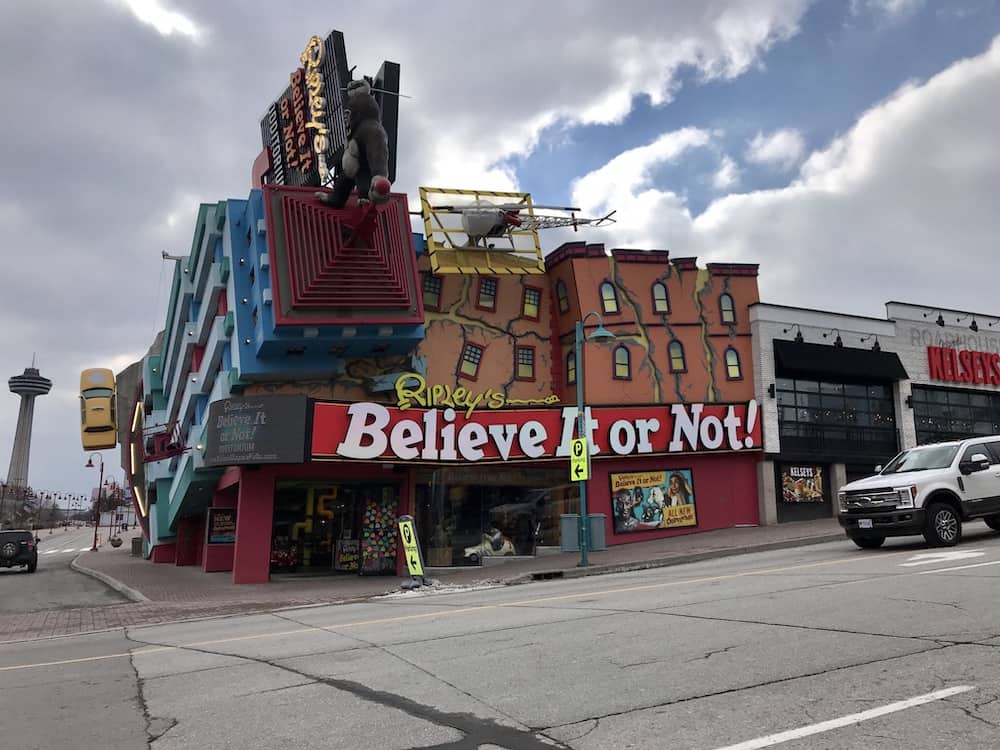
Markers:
point(365, 163)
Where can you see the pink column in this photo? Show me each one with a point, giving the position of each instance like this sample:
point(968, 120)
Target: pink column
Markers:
point(254, 514)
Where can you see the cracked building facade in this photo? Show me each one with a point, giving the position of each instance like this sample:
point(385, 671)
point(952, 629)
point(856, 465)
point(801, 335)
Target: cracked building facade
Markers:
point(307, 393)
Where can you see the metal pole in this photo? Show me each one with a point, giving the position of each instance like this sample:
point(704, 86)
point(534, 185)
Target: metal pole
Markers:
point(100, 489)
point(581, 432)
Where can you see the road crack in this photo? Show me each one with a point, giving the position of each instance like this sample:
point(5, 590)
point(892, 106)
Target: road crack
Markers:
point(476, 731)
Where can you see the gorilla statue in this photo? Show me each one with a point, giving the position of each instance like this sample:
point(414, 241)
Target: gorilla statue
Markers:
point(365, 163)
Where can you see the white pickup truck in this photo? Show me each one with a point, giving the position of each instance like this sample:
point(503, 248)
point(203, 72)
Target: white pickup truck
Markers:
point(929, 490)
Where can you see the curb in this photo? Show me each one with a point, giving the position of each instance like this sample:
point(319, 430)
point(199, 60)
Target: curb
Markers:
point(665, 562)
point(121, 588)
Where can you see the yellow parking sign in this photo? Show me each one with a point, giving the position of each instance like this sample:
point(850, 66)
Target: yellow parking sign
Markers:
point(579, 465)
point(410, 547)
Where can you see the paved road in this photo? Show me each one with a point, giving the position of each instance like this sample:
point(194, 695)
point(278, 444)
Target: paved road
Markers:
point(818, 647)
point(55, 585)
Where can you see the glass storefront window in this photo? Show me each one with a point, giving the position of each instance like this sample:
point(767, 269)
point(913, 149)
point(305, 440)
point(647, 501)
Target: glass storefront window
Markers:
point(465, 514)
point(832, 418)
point(942, 414)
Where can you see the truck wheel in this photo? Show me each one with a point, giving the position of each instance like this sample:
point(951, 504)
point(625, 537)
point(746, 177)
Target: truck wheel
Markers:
point(943, 526)
point(993, 522)
point(869, 542)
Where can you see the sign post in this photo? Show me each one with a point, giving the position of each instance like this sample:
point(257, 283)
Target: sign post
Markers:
point(411, 551)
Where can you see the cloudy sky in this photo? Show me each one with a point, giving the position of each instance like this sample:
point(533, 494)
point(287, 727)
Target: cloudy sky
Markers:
point(848, 146)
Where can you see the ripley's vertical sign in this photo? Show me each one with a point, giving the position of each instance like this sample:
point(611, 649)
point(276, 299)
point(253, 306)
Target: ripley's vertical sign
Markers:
point(256, 430)
point(304, 129)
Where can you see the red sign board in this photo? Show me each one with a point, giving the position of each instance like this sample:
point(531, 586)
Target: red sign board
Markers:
point(369, 431)
point(963, 366)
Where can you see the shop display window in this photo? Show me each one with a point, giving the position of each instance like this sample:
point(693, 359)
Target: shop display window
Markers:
point(347, 527)
point(465, 514)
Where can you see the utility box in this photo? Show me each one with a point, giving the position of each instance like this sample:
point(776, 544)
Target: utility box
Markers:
point(569, 532)
point(598, 537)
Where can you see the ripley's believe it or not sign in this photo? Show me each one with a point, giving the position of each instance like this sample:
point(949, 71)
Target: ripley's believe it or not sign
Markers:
point(304, 129)
point(371, 431)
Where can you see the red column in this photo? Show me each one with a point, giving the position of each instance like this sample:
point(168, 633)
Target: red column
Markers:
point(254, 512)
point(187, 541)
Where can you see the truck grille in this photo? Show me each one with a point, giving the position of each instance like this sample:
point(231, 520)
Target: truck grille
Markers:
point(878, 499)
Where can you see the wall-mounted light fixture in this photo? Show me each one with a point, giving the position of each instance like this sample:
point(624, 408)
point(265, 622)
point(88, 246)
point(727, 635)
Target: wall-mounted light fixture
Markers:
point(798, 336)
point(973, 326)
point(839, 342)
point(909, 401)
point(876, 347)
point(940, 317)
point(770, 390)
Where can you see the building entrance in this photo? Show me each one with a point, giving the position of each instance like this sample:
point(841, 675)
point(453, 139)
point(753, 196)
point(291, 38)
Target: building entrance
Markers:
point(334, 527)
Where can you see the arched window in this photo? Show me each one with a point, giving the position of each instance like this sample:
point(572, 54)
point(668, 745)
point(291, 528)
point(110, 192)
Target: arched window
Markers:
point(727, 310)
point(676, 353)
point(609, 298)
point(733, 369)
point(571, 367)
point(661, 302)
point(623, 364)
point(562, 297)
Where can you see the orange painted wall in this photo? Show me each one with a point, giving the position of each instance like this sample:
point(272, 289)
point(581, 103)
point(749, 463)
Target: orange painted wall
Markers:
point(694, 319)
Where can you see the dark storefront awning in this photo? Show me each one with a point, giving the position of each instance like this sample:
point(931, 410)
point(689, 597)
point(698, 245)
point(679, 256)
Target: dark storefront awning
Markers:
point(821, 362)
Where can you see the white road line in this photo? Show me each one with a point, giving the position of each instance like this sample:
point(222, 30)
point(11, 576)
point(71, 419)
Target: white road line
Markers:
point(84, 549)
point(845, 721)
point(958, 567)
point(69, 550)
point(50, 552)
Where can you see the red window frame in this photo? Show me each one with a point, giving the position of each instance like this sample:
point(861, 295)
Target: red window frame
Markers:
point(531, 360)
point(524, 303)
point(479, 293)
point(477, 361)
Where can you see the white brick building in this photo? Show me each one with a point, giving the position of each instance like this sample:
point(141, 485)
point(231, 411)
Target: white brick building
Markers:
point(842, 393)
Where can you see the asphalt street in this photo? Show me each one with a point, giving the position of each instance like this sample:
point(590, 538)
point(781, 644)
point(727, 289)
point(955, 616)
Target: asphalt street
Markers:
point(826, 646)
point(54, 584)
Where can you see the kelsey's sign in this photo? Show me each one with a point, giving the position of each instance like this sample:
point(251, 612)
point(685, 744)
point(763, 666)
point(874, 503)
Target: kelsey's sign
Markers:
point(963, 366)
point(412, 390)
point(369, 431)
point(256, 430)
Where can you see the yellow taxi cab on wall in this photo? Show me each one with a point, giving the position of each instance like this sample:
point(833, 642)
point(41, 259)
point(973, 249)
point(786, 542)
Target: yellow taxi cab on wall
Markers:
point(98, 428)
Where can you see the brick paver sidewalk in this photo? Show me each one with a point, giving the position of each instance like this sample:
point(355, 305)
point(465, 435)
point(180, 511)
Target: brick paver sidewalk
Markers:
point(174, 593)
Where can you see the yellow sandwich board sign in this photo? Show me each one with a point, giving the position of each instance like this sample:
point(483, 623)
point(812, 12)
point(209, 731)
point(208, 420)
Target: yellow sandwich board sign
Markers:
point(410, 547)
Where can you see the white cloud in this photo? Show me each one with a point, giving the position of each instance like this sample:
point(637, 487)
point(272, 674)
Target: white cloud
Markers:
point(903, 205)
point(782, 148)
point(889, 9)
point(165, 21)
point(727, 175)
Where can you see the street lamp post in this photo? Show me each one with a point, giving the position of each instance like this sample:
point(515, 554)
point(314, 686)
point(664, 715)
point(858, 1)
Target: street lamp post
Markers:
point(100, 490)
point(598, 335)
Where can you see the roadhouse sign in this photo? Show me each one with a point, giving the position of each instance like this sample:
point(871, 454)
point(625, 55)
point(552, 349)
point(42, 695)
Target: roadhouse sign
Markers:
point(369, 431)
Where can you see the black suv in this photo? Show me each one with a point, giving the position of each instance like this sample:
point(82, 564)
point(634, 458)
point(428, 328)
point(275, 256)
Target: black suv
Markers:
point(18, 548)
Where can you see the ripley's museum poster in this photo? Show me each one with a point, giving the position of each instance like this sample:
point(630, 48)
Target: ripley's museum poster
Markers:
point(647, 500)
point(801, 484)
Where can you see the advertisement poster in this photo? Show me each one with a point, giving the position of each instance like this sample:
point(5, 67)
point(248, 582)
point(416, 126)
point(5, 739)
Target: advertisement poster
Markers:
point(647, 500)
point(348, 556)
point(801, 484)
point(221, 525)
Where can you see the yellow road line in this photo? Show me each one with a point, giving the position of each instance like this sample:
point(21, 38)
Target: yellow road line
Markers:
point(447, 612)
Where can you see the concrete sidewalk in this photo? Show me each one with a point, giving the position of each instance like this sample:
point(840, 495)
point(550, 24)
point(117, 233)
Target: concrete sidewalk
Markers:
point(162, 592)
